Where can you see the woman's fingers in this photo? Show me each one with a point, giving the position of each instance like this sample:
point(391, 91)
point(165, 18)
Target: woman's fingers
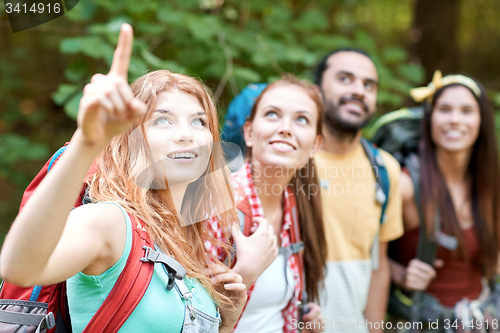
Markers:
point(123, 52)
point(263, 224)
point(214, 269)
point(137, 109)
point(419, 275)
point(229, 277)
point(235, 287)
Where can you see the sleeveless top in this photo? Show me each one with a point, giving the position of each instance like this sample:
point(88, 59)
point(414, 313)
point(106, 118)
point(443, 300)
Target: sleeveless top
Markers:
point(457, 278)
point(159, 310)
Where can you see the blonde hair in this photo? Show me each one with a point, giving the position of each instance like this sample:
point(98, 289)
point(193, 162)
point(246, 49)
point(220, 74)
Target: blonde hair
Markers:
point(126, 157)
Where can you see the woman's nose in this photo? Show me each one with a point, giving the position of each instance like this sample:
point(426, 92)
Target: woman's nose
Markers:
point(285, 127)
point(183, 134)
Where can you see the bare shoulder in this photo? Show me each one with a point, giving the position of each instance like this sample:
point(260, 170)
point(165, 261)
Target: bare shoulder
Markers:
point(407, 188)
point(105, 218)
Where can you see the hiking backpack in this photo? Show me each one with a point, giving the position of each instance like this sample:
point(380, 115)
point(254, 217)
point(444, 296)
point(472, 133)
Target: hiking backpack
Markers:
point(398, 132)
point(237, 113)
point(45, 308)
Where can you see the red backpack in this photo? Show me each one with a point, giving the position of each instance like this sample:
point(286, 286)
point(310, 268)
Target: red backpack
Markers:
point(45, 308)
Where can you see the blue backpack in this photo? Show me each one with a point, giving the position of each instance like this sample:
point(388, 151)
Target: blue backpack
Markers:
point(238, 112)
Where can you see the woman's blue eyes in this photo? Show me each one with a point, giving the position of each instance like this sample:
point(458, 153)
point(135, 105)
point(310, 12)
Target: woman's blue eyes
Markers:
point(165, 120)
point(198, 122)
point(161, 121)
point(274, 115)
point(303, 120)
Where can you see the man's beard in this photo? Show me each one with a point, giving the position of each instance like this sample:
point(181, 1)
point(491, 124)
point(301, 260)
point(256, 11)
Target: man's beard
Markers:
point(340, 127)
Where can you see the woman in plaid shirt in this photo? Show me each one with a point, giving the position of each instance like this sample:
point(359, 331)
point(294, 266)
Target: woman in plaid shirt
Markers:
point(280, 199)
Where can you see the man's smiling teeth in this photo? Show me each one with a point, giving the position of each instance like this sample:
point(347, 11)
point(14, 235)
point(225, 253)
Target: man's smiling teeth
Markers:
point(282, 145)
point(354, 106)
point(182, 155)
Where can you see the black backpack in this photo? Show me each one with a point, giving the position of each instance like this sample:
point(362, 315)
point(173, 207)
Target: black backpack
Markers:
point(398, 132)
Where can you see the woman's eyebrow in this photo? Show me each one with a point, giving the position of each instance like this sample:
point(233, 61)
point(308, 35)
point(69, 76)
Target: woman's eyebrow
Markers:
point(162, 111)
point(272, 107)
point(304, 111)
point(201, 113)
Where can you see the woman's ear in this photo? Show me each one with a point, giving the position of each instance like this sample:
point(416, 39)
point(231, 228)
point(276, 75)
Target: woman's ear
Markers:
point(317, 145)
point(247, 133)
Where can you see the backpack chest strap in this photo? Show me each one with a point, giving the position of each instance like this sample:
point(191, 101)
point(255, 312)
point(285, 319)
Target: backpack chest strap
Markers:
point(293, 248)
point(174, 270)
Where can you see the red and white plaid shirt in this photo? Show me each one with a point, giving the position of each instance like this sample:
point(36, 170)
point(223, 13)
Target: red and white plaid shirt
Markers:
point(244, 187)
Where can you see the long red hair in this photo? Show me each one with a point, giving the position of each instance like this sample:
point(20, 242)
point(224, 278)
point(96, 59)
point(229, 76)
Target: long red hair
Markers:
point(127, 156)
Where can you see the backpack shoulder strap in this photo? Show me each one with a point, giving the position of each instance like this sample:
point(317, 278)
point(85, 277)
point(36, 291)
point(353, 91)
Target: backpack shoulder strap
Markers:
point(128, 289)
point(427, 247)
point(382, 185)
point(56, 156)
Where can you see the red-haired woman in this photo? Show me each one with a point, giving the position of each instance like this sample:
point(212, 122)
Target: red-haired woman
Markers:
point(150, 141)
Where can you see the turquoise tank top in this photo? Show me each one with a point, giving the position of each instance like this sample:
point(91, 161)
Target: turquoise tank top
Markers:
point(160, 310)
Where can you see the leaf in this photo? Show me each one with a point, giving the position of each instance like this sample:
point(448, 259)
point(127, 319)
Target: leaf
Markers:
point(311, 20)
point(204, 27)
point(167, 14)
point(246, 74)
point(137, 67)
point(150, 28)
point(394, 54)
point(413, 73)
point(71, 107)
point(15, 148)
point(76, 71)
point(327, 43)
point(151, 59)
point(63, 93)
point(92, 46)
point(364, 41)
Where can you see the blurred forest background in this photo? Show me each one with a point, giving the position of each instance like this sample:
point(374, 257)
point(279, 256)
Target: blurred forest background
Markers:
point(228, 44)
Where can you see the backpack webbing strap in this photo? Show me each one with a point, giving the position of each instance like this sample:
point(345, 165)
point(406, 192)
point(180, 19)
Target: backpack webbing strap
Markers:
point(128, 289)
point(35, 293)
point(170, 263)
point(287, 251)
point(426, 248)
point(54, 158)
point(42, 321)
point(382, 185)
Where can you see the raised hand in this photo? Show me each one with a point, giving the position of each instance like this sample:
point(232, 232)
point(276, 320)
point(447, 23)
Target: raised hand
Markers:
point(256, 252)
point(108, 106)
point(231, 284)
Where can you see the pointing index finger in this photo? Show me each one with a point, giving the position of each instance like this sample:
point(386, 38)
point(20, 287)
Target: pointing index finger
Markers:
point(123, 52)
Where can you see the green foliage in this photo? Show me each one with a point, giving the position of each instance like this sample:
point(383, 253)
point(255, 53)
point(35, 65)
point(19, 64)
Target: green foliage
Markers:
point(248, 42)
point(14, 149)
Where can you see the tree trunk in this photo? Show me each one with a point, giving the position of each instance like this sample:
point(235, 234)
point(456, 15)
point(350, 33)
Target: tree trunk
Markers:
point(433, 36)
